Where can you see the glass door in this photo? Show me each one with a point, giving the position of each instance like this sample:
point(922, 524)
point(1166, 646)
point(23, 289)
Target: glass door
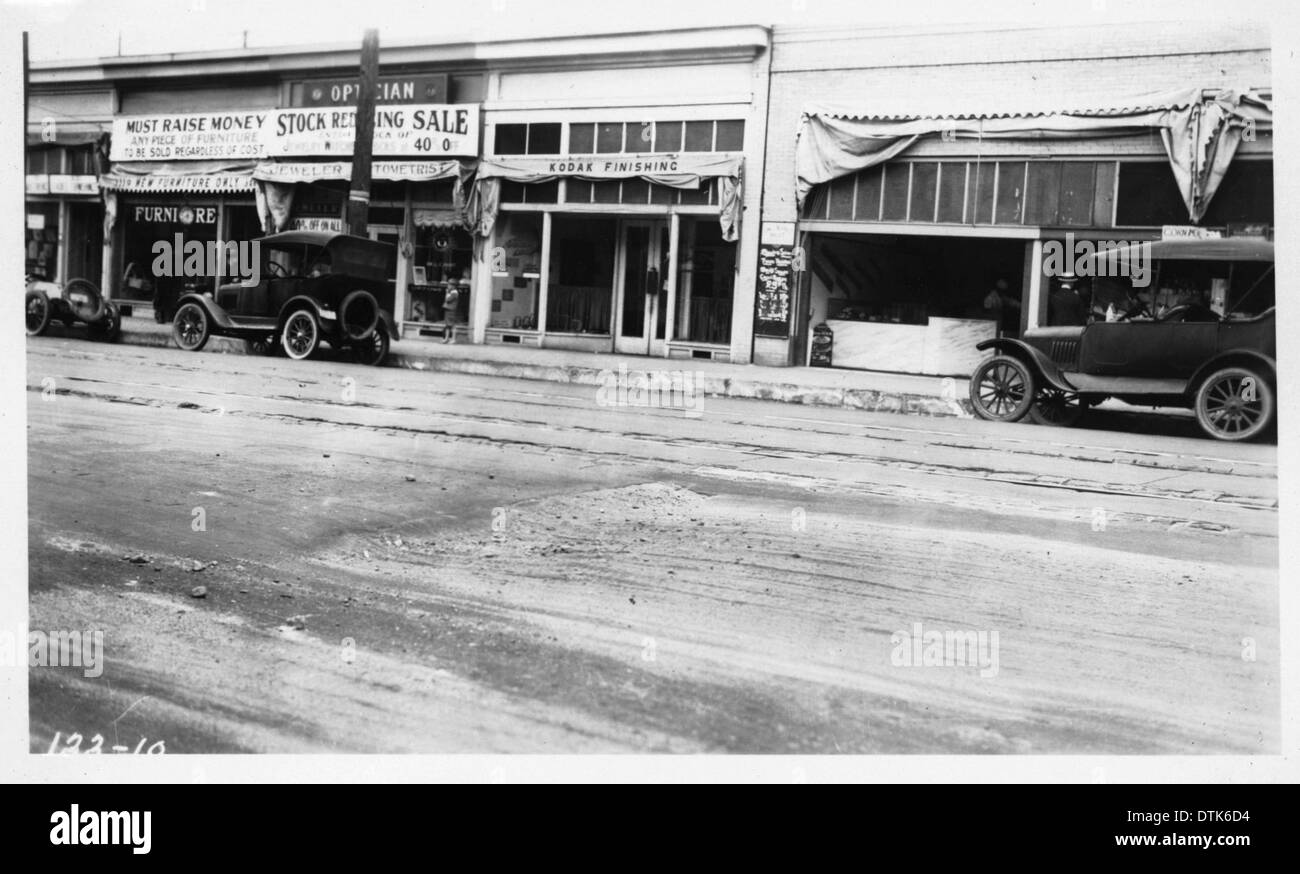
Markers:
point(642, 294)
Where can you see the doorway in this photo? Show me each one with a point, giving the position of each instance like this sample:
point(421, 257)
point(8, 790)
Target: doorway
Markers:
point(641, 300)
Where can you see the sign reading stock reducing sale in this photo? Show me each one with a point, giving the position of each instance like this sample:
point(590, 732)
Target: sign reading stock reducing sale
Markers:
point(432, 129)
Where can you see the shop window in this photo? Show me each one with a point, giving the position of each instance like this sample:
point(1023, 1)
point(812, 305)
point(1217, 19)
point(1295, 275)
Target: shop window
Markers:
point(442, 259)
point(386, 192)
point(606, 191)
point(516, 283)
point(870, 182)
point(82, 161)
point(580, 287)
point(510, 139)
point(43, 161)
point(386, 215)
point(1011, 193)
point(1148, 195)
point(668, 136)
point(952, 192)
point(925, 181)
point(981, 182)
point(841, 199)
point(698, 196)
point(437, 191)
point(706, 277)
point(609, 137)
point(42, 243)
point(1244, 195)
point(663, 194)
point(1078, 179)
point(699, 136)
point(636, 191)
point(895, 196)
point(544, 139)
point(512, 192)
point(582, 139)
point(730, 136)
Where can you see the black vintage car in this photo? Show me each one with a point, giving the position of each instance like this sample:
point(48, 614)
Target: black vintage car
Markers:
point(315, 287)
point(1216, 357)
point(78, 301)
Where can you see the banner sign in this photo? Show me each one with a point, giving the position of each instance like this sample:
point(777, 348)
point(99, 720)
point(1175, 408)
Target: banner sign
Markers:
point(682, 170)
point(62, 184)
point(38, 183)
point(434, 129)
point(392, 89)
point(196, 136)
point(426, 129)
point(309, 171)
point(213, 183)
point(317, 224)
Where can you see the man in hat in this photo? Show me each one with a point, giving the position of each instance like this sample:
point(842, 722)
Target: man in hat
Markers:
point(1065, 304)
point(1003, 308)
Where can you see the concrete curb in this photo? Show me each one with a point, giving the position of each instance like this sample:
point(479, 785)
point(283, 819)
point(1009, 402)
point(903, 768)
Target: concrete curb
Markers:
point(869, 400)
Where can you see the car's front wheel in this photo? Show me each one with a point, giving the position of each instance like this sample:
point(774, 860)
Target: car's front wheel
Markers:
point(1052, 406)
point(1002, 389)
point(38, 312)
point(190, 328)
point(1235, 403)
point(109, 326)
point(301, 334)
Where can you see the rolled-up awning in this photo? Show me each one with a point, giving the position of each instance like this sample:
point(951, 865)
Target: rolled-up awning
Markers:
point(196, 177)
point(1200, 130)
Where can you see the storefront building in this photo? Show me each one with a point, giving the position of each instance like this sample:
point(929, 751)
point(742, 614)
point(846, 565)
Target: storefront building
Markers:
point(906, 217)
point(578, 192)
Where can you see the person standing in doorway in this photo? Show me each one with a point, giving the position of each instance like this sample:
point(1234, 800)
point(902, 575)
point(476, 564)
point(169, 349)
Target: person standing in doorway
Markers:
point(449, 303)
point(1002, 307)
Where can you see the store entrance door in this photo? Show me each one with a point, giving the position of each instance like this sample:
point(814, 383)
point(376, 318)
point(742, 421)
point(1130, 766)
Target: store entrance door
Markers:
point(642, 298)
point(388, 234)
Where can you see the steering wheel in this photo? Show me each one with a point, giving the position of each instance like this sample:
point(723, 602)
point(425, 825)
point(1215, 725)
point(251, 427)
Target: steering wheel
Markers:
point(1138, 309)
point(276, 269)
point(1199, 313)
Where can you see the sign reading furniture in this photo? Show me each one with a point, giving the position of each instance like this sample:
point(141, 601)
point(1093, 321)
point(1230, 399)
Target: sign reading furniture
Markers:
point(434, 129)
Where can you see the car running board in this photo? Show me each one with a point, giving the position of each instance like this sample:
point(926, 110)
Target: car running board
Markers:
point(1124, 385)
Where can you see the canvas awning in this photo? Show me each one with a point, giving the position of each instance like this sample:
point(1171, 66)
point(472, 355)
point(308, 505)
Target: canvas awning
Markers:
point(1200, 132)
point(686, 170)
point(194, 177)
point(393, 170)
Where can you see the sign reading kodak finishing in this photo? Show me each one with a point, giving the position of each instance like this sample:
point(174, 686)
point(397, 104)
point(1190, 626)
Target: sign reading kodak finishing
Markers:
point(431, 129)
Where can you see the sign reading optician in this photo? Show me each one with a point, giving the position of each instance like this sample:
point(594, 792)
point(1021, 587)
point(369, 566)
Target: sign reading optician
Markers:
point(427, 129)
point(432, 129)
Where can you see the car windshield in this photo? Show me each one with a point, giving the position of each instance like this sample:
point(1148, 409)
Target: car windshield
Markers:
point(291, 260)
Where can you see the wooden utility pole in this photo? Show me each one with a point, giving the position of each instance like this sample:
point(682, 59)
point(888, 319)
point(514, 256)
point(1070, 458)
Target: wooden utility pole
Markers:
point(363, 146)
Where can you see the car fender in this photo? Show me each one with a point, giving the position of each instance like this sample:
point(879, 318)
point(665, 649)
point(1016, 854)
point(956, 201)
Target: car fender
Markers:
point(390, 324)
point(1042, 366)
point(306, 301)
point(217, 316)
point(1230, 357)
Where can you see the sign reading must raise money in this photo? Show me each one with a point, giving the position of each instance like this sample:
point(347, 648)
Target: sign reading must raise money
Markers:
point(432, 129)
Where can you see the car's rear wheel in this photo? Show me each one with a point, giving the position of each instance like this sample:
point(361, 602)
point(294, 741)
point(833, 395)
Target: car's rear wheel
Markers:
point(1052, 406)
point(109, 326)
point(301, 334)
point(1235, 403)
point(190, 328)
point(1002, 389)
point(373, 350)
point(37, 306)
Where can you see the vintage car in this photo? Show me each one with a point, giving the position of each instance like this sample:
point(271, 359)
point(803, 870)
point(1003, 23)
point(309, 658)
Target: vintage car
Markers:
point(78, 301)
point(1217, 358)
point(315, 287)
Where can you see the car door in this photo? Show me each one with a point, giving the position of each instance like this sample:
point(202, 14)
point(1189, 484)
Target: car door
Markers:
point(1155, 350)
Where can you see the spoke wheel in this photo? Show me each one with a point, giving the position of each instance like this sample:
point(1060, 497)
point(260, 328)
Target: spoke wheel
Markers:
point(301, 334)
point(38, 312)
point(373, 350)
point(1002, 389)
point(190, 327)
point(1235, 403)
point(1063, 409)
point(109, 327)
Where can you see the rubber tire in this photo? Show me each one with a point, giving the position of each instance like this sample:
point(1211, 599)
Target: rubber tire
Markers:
point(109, 326)
point(1264, 392)
point(1071, 420)
point(1021, 406)
point(315, 339)
point(365, 352)
point(351, 298)
point(88, 316)
point(47, 307)
point(205, 328)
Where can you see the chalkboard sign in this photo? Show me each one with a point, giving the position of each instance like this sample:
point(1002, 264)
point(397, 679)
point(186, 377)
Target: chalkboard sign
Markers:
point(772, 312)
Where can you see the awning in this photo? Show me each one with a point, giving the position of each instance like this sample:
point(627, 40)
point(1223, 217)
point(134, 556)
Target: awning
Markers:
point(197, 177)
point(1200, 133)
point(65, 134)
point(441, 219)
point(1224, 249)
point(394, 170)
point(686, 170)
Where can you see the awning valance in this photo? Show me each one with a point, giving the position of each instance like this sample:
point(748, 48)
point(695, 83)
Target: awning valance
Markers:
point(194, 177)
point(393, 170)
point(441, 219)
point(1200, 132)
point(687, 170)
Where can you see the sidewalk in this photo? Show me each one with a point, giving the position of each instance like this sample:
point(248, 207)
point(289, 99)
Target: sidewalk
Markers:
point(856, 389)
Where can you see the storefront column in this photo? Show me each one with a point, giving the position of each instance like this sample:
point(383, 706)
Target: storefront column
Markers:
point(1035, 307)
point(480, 302)
point(674, 246)
point(544, 284)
